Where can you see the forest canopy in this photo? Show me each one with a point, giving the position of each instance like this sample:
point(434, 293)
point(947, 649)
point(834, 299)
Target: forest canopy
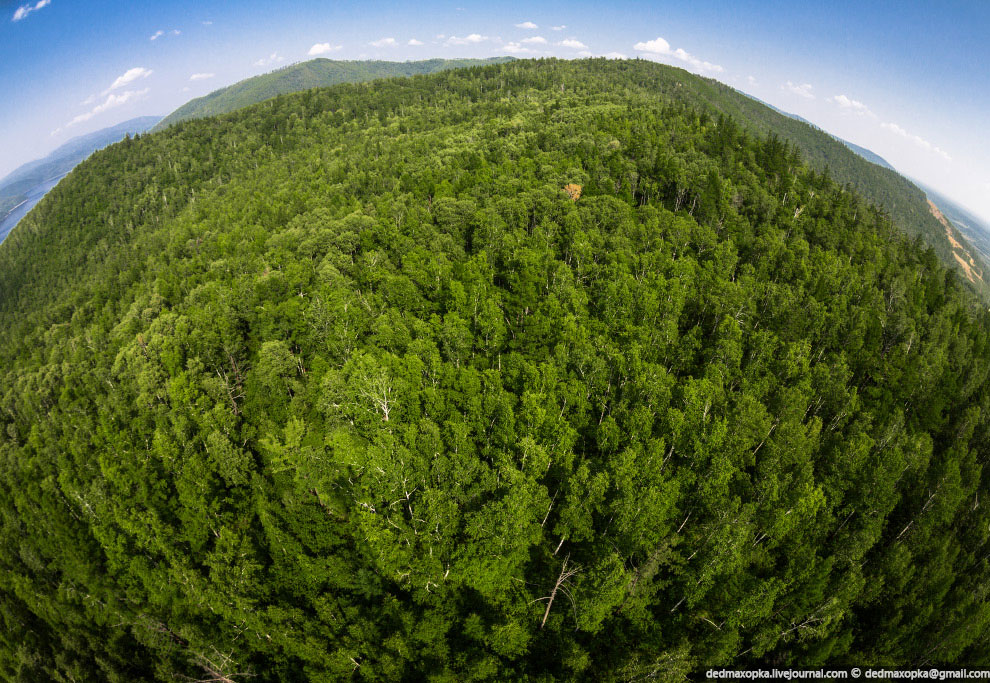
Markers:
point(350, 385)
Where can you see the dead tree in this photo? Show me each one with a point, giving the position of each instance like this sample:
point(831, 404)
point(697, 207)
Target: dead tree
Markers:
point(564, 576)
point(218, 668)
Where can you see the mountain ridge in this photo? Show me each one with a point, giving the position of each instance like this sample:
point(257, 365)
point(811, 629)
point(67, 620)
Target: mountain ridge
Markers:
point(867, 154)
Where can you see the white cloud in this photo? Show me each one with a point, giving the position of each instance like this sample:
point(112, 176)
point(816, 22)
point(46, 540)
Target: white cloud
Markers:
point(273, 58)
point(586, 53)
point(573, 43)
point(201, 77)
point(158, 34)
point(207, 23)
point(558, 28)
point(384, 42)
point(802, 90)
point(614, 55)
point(751, 80)
point(659, 48)
point(25, 10)
point(851, 105)
point(414, 42)
point(535, 40)
point(128, 77)
point(472, 39)
point(527, 25)
point(894, 128)
point(516, 49)
point(113, 100)
point(323, 48)
point(919, 141)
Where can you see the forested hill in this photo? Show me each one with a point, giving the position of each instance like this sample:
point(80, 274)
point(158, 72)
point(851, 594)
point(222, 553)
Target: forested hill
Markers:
point(905, 202)
point(312, 74)
point(535, 371)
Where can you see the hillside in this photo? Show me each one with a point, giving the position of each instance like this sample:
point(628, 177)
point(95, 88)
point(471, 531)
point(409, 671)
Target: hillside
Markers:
point(315, 73)
point(975, 229)
point(905, 202)
point(15, 187)
point(964, 254)
point(968, 237)
point(538, 371)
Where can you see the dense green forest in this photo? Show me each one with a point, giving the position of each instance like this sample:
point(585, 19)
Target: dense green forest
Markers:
point(315, 73)
point(346, 386)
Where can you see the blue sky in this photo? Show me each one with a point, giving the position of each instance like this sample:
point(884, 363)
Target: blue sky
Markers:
point(909, 80)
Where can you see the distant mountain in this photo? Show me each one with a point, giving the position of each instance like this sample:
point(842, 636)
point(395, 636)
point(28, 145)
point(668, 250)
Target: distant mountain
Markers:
point(312, 74)
point(20, 185)
point(868, 155)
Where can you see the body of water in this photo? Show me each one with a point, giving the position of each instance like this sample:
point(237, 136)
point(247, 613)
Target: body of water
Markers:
point(33, 197)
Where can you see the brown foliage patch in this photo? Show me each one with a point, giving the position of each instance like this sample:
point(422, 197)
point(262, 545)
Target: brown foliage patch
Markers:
point(573, 191)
